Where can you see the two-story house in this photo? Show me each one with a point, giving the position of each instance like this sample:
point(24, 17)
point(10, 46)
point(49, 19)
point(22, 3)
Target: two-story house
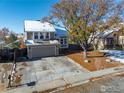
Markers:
point(43, 39)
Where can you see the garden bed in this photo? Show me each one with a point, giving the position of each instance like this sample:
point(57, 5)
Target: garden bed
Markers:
point(96, 60)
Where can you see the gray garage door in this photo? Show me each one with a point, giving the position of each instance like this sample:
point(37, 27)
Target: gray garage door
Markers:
point(43, 51)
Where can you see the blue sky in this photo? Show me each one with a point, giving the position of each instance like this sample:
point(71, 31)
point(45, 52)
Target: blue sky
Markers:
point(14, 12)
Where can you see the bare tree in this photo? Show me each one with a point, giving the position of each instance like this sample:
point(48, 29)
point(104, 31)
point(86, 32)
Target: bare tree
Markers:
point(98, 63)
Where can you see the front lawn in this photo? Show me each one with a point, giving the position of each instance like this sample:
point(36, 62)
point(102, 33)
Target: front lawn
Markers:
point(97, 61)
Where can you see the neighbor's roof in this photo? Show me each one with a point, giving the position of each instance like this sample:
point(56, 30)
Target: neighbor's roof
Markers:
point(107, 32)
point(38, 26)
point(104, 33)
point(13, 45)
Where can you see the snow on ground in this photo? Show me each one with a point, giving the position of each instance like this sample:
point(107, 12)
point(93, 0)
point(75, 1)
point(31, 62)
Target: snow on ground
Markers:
point(116, 55)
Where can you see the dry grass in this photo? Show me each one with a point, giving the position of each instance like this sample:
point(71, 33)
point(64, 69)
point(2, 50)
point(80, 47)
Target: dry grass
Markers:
point(24, 64)
point(2, 87)
point(96, 61)
point(7, 67)
point(121, 75)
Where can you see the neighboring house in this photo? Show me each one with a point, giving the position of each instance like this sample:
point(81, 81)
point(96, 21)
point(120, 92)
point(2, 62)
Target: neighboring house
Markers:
point(110, 39)
point(43, 39)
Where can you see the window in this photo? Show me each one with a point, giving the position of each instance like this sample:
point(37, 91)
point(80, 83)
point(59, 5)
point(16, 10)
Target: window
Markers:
point(63, 41)
point(47, 36)
point(110, 41)
point(29, 35)
point(36, 35)
point(41, 36)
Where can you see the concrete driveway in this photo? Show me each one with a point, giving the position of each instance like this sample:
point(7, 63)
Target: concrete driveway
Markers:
point(49, 69)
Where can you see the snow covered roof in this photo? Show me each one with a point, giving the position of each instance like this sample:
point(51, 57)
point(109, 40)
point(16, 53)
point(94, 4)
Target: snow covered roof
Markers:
point(109, 31)
point(60, 32)
point(29, 42)
point(38, 26)
point(106, 32)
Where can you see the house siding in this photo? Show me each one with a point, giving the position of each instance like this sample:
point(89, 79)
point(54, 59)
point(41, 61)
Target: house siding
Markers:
point(52, 35)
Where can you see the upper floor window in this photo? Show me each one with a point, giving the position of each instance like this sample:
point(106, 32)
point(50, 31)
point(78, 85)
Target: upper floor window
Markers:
point(35, 35)
point(47, 36)
point(41, 36)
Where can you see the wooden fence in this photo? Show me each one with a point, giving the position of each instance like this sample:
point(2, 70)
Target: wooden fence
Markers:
point(7, 55)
